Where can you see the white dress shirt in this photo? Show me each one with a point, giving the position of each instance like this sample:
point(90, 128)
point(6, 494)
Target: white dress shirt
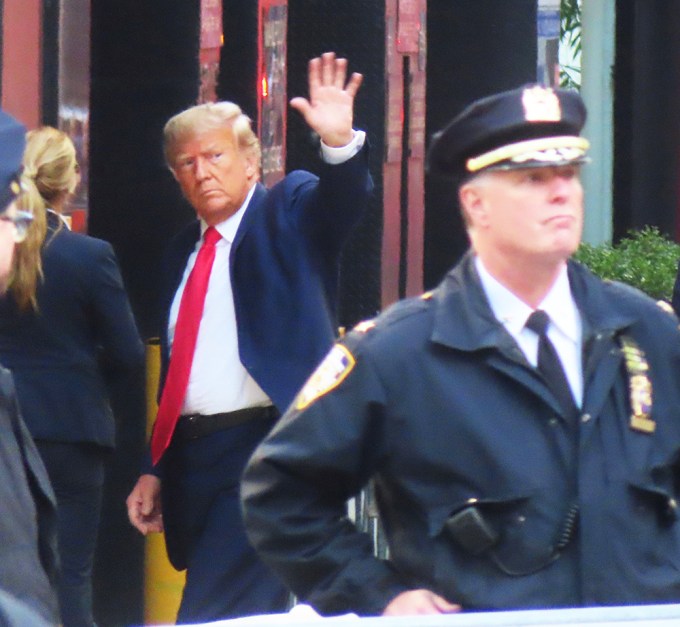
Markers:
point(564, 331)
point(218, 381)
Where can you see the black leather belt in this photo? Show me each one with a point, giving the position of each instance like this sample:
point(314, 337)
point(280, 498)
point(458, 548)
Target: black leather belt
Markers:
point(192, 426)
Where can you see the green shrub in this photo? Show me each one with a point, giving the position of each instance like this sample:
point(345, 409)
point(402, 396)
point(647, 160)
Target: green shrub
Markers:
point(645, 259)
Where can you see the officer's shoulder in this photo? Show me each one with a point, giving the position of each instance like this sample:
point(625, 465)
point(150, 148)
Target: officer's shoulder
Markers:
point(392, 319)
point(637, 299)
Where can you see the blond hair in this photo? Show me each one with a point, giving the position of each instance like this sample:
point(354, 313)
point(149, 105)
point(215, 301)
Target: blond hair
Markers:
point(49, 172)
point(210, 116)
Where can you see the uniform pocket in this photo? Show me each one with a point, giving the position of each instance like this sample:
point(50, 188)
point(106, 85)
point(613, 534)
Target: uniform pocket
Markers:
point(516, 533)
point(655, 500)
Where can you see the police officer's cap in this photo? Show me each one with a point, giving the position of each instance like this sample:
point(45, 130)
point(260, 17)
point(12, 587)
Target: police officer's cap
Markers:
point(12, 143)
point(528, 127)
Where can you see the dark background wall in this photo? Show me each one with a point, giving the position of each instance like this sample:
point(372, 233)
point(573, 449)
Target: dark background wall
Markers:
point(474, 48)
point(238, 72)
point(50, 62)
point(646, 77)
point(354, 29)
point(144, 70)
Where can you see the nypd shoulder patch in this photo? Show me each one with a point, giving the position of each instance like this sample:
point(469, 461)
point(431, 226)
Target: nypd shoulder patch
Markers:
point(329, 374)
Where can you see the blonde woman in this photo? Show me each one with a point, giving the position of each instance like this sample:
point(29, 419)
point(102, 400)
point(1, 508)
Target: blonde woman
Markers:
point(65, 326)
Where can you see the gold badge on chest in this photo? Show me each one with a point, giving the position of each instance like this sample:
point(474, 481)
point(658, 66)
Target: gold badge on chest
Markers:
point(639, 385)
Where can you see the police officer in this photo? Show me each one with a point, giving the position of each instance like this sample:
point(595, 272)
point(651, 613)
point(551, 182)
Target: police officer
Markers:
point(521, 421)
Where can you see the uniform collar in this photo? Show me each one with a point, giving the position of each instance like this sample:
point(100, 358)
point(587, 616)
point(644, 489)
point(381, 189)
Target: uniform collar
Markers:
point(465, 320)
point(560, 306)
point(513, 312)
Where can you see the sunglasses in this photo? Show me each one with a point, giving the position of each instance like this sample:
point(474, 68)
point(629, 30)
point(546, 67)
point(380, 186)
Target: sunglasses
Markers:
point(21, 220)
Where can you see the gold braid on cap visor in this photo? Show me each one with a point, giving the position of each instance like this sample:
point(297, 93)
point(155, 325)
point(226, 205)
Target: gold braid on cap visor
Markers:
point(548, 149)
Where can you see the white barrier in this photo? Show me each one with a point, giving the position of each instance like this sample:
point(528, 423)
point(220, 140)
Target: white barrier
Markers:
point(639, 615)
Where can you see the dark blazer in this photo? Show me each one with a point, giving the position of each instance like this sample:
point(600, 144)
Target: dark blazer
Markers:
point(82, 333)
point(284, 270)
point(28, 524)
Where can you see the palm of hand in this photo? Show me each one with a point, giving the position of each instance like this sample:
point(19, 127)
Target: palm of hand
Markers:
point(330, 111)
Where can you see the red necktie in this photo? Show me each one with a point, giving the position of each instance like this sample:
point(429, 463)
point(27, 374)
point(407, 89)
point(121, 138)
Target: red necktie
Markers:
point(183, 345)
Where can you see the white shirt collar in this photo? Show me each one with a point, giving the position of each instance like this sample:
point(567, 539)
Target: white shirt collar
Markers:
point(62, 218)
point(513, 312)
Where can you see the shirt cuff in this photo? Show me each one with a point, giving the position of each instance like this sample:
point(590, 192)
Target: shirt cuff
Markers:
point(336, 155)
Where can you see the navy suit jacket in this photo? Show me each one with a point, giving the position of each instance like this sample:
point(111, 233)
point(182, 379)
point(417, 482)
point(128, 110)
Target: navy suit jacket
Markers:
point(284, 266)
point(83, 332)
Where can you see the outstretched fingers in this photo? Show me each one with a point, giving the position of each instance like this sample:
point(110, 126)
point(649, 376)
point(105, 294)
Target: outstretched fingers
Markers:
point(354, 83)
point(329, 109)
point(314, 74)
point(329, 71)
point(328, 68)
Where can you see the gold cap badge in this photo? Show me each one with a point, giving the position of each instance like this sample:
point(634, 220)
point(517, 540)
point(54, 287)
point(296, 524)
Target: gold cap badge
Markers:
point(541, 105)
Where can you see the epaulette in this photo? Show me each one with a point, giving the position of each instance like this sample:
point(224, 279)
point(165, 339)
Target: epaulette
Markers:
point(364, 326)
point(666, 306)
point(405, 308)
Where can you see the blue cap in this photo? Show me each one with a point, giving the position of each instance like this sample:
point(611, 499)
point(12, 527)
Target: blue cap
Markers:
point(12, 144)
point(528, 127)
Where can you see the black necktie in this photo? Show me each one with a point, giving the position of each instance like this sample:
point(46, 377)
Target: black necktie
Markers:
point(549, 364)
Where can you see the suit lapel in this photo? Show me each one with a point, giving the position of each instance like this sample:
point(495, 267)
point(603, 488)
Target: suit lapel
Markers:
point(249, 216)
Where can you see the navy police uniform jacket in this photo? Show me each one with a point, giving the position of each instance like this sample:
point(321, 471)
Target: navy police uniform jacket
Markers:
point(488, 493)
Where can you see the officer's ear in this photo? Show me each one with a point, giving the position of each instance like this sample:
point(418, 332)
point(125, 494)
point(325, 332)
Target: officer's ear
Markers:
point(472, 202)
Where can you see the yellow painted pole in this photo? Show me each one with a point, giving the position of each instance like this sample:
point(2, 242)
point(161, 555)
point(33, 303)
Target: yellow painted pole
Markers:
point(162, 583)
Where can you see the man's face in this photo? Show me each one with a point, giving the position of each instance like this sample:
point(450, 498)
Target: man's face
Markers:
point(8, 232)
point(215, 176)
point(532, 215)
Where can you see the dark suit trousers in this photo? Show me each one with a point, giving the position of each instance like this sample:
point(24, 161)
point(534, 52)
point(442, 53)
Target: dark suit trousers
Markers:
point(76, 471)
point(204, 530)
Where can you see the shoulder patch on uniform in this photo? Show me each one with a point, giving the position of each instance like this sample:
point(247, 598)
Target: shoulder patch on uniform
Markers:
point(364, 326)
point(329, 374)
point(426, 296)
point(666, 306)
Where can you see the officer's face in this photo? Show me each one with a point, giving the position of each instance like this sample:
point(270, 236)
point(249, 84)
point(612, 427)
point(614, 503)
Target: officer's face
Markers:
point(526, 216)
point(215, 176)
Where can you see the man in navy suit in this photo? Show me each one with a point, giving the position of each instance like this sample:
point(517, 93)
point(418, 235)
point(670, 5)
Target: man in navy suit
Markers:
point(269, 318)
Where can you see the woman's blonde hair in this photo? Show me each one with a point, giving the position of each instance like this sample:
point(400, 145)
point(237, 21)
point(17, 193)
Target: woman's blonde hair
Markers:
point(50, 172)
